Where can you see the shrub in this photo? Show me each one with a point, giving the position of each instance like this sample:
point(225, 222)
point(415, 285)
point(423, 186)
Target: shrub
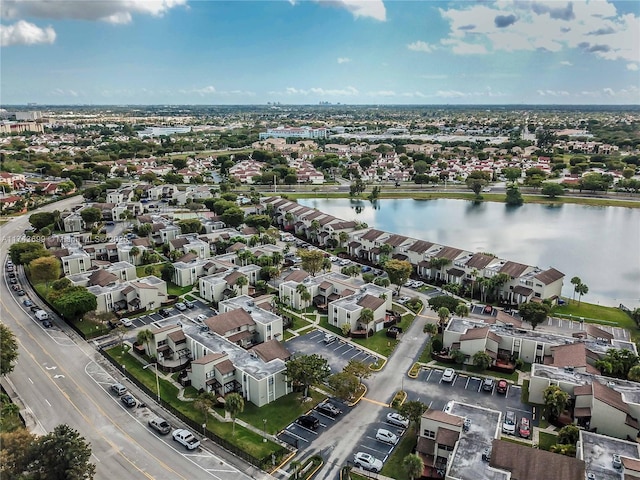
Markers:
point(436, 344)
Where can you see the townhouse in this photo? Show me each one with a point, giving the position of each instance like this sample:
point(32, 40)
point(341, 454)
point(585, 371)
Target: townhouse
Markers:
point(146, 293)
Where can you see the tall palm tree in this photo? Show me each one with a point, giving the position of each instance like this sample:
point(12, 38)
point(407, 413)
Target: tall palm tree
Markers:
point(366, 317)
point(343, 237)
point(582, 289)
point(234, 404)
point(413, 465)
point(241, 282)
point(474, 275)
point(204, 402)
point(288, 218)
point(575, 281)
point(145, 336)
point(135, 251)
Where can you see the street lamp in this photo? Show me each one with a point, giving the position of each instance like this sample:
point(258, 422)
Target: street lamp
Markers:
point(264, 423)
point(157, 380)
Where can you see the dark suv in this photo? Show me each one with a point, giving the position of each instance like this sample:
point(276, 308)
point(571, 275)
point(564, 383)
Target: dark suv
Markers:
point(329, 409)
point(487, 384)
point(308, 421)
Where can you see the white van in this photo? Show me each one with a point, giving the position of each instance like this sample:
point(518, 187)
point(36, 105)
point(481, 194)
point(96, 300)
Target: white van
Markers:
point(42, 315)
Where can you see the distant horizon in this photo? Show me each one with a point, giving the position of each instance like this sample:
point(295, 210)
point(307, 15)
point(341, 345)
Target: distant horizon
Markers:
point(303, 52)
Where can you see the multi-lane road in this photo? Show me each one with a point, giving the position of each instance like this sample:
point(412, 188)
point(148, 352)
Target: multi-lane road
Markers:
point(62, 379)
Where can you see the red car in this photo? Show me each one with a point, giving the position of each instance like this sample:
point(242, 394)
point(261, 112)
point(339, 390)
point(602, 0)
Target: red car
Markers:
point(524, 430)
point(502, 386)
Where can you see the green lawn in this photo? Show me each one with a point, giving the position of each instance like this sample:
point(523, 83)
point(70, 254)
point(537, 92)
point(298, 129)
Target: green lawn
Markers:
point(299, 323)
point(173, 289)
point(280, 413)
point(243, 438)
point(595, 314)
point(157, 267)
point(513, 440)
point(287, 335)
point(546, 440)
point(393, 466)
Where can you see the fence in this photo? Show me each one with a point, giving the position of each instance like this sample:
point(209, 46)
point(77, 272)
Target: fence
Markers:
point(262, 463)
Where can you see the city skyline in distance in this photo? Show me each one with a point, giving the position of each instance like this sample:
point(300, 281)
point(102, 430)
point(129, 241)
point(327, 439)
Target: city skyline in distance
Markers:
point(180, 52)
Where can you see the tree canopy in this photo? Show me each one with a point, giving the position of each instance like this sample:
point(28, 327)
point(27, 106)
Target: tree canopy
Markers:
point(73, 302)
point(307, 370)
point(398, 271)
point(45, 269)
point(8, 350)
point(534, 313)
point(311, 260)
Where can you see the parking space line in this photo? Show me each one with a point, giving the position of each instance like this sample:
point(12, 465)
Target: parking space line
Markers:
point(297, 437)
point(429, 374)
point(467, 384)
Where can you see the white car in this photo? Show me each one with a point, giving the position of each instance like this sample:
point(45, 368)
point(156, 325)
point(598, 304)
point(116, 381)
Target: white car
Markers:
point(334, 259)
point(418, 284)
point(186, 438)
point(448, 375)
point(344, 263)
point(367, 462)
point(181, 306)
point(200, 318)
point(386, 436)
point(403, 300)
point(394, 418)
point(126, 322)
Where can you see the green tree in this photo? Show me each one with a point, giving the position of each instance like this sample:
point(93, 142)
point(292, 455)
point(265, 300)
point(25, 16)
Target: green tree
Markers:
point(430, 328)
point(241, 282)
point(477, 180)
point(443, 315)
point(634, 373)
point(41, 220)
point(233, 217)
point(551, 189)
point(413, 410)
point(190, 225)
point(203, 403)
point(366, 317)
point(513, 196)
point(398, 271)
point(356, 188)
point(8, 350)
point(45, 269)
point(617, 363)
point(144, 337)
point(344, 384)
point(575, 281)
point(91, 215)
point(61, 454)
point(481, 360)
point(311, 260)
point(14, 454)
point(581, 289)
point(359, 369)
point(22, 253)
point(555, 400)
point(307, 370)
point(256, 221)
point(234, 404)
point(73, 302)
point(512, 174)
point(534, 313)
point(412, 464)
point(436, 303)
point(462, 310)
point(569, 435)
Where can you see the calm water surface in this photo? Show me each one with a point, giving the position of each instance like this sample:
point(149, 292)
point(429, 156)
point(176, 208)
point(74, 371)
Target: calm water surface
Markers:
point(601, 245)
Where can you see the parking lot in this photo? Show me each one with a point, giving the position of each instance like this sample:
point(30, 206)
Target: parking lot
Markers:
point(337, 353)
point(429, 388)
point(199, 308)
point(301, 437)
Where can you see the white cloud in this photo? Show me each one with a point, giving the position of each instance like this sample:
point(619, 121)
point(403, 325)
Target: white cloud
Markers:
point(566, 63)
point(553, 93)
point(632, 66)
point(113, 11)
point(593, 27)
point(359, 8)
point(211, 90)
point(450, 94)
point(434, 76)
point(25, 33)
point(462, 48)
point(343, 60)
point(421, 46)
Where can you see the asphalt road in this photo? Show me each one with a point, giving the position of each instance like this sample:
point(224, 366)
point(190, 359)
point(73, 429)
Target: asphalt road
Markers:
point(62, 379)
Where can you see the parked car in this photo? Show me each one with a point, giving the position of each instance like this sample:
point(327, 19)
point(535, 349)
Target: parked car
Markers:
point(367, 462)
point(329, 338)
point(487, 384)
point(394, 418)
point(128, 400)
point(118, 389)
point(164, 312)
point(366, 269)
point(181, 306)
point(126, 322)
point(525, 429)
point(486, 454)
point(308, 421)
point(448, 375)
point(509, 423)
point(329, 409)
point(200, 318)
point(616, 461)
point(403, 300)
point(186, 438)
point(344, 263)
point(502, 386)
point(386, 436)
point(189, 304)
point(160, 425)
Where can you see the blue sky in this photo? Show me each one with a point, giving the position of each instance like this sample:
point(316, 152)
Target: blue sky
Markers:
point(304, 52)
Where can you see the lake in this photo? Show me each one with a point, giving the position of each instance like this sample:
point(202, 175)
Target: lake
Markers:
point(601, 245)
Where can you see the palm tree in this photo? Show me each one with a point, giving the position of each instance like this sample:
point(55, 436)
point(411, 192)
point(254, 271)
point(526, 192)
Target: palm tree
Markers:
point(413, 465)
point(241, 282)
point(443, 315)
point(437, 264)
point(462, 310)
point(366, 317)
point(575, 281)
point(277, 258)
point(145, 336)
point(234, 404)
point(474, 275)
point(303, 292)
point(295, 467)
point(288, 218)
point(498, 281)
point(203, 403)
point(431, 328)
point(326, 265)
point(313, 228)
point(343, 237)
point(582, 289)
point(135, 251)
